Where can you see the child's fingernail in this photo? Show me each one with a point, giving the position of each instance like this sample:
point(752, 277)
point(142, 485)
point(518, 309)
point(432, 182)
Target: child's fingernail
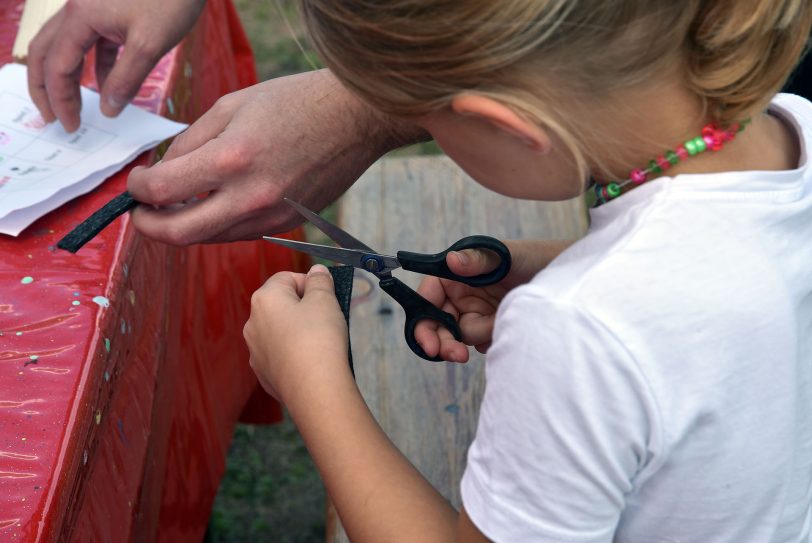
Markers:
point(464, 260)
point(317, 268)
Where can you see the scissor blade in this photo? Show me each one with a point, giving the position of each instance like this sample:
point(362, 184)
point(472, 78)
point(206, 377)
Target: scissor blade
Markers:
point(334, 232)
point(350, 257)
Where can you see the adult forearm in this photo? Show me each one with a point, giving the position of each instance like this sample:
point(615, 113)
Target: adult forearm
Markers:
point(383, 133)
point(378, 494)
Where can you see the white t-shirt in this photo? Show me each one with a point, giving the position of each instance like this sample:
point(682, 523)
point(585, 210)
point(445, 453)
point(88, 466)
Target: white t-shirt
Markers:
point(654, 383)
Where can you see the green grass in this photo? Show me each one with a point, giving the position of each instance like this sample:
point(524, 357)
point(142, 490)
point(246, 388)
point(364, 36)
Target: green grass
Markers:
point(271, 490)
point(276, 37)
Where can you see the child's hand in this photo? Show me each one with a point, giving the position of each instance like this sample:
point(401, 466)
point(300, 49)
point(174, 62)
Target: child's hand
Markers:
point(297, 334)
point(475, 308)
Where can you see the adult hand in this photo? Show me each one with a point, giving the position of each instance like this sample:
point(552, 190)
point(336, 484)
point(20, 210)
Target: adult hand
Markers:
point(475, 308)
point(304, 137)
point(147, 29)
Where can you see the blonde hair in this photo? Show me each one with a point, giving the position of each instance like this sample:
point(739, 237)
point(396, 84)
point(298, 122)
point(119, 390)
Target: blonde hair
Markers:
point(411, 57)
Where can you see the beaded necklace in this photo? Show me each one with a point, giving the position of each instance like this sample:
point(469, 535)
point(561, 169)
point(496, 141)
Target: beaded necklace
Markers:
point(712, 138)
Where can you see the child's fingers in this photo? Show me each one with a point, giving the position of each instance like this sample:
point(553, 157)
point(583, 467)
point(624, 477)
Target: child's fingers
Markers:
point(431, 288)
point(288, 284)
point(425, 333)
point(451, 349)
point(476, 328)
point(483, 347)
point(436, 340)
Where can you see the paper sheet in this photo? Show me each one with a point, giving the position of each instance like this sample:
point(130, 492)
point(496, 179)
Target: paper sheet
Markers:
point(42, 166)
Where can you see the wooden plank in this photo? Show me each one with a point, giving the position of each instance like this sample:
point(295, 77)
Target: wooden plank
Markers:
point(424, 204)
point(35, 14)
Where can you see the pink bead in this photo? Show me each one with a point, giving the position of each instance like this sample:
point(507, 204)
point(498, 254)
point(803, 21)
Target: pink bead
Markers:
point(638, 176)
point(682, 152)
point(662, 162)
point(713, 141)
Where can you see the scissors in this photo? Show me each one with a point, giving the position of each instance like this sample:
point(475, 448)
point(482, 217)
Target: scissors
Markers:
point(355, 253)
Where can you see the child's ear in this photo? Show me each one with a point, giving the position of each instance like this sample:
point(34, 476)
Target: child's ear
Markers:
point(503, 118)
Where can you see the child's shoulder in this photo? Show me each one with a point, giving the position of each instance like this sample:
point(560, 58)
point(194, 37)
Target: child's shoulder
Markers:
point(795, 106)
point(662, 270)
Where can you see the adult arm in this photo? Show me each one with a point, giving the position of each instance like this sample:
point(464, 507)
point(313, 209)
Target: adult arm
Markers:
point(304, 137)
point(147, 29)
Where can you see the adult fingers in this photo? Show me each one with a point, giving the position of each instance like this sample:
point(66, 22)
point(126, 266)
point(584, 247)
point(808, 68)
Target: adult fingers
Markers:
point(127, 74)
point(210, 125)
point(106, 54)
point(63, 70)
point(174, 181)
point(37, 52)
point(186, 224)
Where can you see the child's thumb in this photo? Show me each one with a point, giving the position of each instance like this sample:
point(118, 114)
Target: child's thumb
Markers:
point(470, 262)
point(319, 280)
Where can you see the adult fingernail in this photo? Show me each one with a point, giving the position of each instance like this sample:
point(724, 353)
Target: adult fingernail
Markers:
point(464, 259)
point(317, 268)
point(115, 102)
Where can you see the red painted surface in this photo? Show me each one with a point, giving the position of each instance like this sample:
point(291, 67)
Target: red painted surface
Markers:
point(118, 429)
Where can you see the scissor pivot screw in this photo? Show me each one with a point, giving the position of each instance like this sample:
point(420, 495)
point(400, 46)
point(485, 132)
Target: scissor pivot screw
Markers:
point(372, 264)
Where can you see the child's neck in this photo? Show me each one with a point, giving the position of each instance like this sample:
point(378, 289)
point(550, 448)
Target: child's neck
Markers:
point(670, 114)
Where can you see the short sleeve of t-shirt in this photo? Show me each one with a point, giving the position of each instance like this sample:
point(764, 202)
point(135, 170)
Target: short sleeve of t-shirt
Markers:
point(566, 429)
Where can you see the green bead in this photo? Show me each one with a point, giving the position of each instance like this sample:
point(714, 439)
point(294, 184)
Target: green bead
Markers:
point(700, 144)
point(613, 190)
point(672, 157)
point(653, 167)
point(690, 146)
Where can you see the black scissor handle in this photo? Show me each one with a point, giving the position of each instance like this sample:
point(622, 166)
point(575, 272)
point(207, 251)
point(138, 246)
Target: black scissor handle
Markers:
point(435, 264)
point(418, 308)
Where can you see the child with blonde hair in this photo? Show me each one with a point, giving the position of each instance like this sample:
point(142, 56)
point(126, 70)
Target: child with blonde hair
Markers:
point(651, 383)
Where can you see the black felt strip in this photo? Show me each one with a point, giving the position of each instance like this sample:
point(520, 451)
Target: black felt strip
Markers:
point(94, 224)
point(342, 279)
